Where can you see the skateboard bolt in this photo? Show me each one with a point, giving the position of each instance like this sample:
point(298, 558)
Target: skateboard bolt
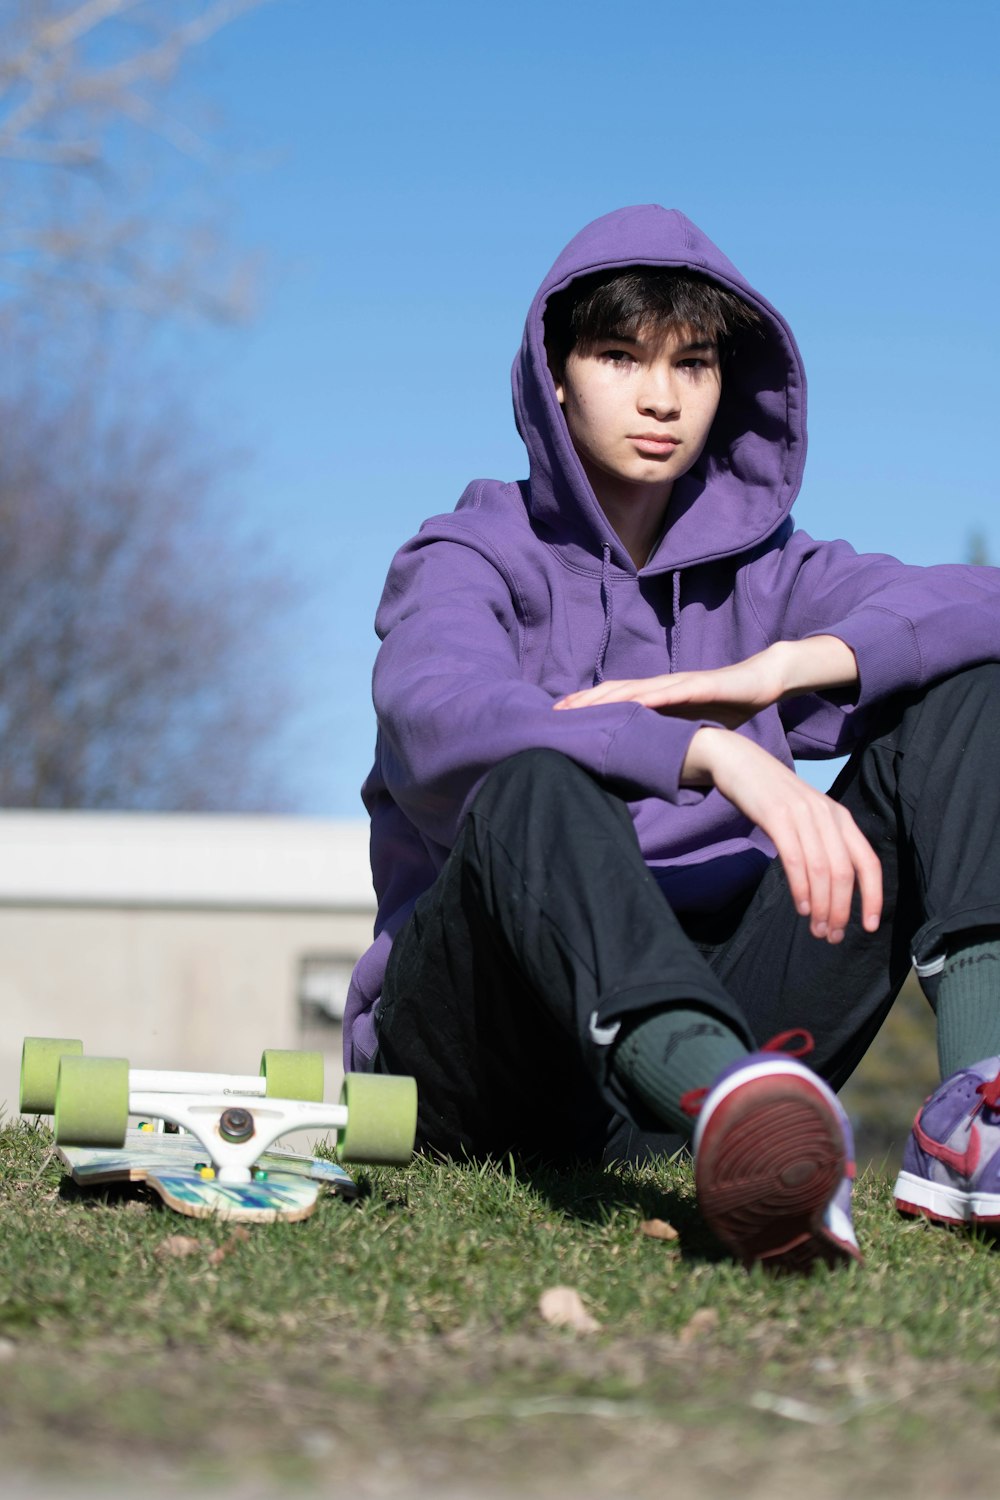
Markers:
point(236, 1124)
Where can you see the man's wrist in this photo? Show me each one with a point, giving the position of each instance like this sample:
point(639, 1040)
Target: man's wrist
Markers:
point(699, 762)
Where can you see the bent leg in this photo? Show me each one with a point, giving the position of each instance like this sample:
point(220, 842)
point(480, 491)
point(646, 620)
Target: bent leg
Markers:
point(507, 986)
point(947, 789)
point(925, 791)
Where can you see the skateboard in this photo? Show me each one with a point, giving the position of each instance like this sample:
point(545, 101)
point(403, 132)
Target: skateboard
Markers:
point(285, 1185)
point(219, 1158)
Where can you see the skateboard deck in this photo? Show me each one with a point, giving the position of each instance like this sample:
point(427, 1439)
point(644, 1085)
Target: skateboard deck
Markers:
point(287, 1187)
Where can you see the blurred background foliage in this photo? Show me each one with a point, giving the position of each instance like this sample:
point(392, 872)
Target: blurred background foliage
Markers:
point(146, 657)
point(893, 1080)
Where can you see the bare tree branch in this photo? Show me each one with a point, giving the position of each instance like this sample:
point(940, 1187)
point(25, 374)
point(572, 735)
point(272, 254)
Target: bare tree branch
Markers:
point(140, 668)
point(71, 75)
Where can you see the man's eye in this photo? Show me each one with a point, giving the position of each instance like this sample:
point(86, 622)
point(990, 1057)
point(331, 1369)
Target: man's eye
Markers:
point(617, 356)
point(699, 362)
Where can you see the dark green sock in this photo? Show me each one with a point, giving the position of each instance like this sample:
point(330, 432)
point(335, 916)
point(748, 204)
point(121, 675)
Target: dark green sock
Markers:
point(968, 1002)
point(664, 1054)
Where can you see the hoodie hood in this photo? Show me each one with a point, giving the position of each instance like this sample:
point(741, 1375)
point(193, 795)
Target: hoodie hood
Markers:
point(745, 482)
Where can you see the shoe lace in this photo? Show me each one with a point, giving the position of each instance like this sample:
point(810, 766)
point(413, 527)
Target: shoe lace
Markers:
point(990, 1094)
point(692, 1101)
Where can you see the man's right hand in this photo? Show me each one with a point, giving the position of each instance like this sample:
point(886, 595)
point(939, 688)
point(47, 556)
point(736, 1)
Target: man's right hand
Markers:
point(822, 849)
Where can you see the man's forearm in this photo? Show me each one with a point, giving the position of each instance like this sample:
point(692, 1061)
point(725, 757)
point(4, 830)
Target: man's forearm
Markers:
point(824, 854)
point(810, 666)
point(813, 665)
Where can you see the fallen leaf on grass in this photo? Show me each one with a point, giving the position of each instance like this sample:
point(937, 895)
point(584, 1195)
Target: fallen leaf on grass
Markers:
point(563, 1307)
point(176, 1246)
point(700, 1323)
point(220, 1252)
point(658, 1229)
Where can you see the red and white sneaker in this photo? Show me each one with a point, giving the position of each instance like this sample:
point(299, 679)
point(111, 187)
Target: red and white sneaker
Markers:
point(951, 1165)
point(774, 1165)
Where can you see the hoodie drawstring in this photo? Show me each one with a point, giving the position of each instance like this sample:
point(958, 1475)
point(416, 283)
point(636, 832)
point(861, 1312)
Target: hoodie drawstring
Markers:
point(607, 600)
point(609, 610)
point(675, 623)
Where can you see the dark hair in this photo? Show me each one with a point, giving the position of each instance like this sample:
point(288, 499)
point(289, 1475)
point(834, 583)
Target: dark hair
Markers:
point(611, 304)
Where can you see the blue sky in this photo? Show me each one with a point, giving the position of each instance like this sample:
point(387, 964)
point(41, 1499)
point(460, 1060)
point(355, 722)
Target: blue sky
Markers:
point(409, 171)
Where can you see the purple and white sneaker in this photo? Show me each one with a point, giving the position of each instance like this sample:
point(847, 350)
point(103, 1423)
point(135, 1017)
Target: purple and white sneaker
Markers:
point(774, 1165)
point(951, 1165)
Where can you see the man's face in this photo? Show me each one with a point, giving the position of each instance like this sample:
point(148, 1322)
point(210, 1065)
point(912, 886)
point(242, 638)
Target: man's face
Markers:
point(639, 409)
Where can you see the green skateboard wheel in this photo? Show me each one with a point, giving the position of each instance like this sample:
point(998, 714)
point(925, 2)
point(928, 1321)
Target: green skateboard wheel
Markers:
point(293, 1075)
point(381, 1119)
point(92, 1101)
point(40, 1057)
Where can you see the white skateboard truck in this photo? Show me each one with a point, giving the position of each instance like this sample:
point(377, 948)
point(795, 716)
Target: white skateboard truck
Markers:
point(235, 1117)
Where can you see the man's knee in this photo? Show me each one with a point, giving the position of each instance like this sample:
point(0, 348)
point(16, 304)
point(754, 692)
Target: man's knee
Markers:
point(952, 725)
point(973, 692)
point(530, 772)
point(543, 789)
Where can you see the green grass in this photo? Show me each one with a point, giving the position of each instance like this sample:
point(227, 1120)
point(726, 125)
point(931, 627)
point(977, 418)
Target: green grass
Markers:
point(407, 1326)
point(435, 1248)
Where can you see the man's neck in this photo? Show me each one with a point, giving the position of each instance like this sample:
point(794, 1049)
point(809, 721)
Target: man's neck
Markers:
point(637, 517)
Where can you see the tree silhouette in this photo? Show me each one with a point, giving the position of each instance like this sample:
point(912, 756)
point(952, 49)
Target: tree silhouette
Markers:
point(138, 661)
point(139, 635)
point(978, 551)
point(102, 148)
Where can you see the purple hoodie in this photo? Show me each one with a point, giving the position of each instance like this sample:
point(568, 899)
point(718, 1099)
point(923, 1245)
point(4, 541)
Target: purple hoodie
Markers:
point(525, 593)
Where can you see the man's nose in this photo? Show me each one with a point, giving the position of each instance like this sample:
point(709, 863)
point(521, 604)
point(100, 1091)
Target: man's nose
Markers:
point(659, 393)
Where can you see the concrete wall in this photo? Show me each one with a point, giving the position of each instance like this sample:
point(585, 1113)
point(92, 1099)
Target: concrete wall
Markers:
point(178, 942)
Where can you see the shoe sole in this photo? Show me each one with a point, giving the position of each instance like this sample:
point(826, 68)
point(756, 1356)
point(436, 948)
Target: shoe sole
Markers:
point(769, 1157)
point(943, 1204)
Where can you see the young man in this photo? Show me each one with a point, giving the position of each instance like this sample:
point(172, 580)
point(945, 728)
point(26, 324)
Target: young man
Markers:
point(601, 885)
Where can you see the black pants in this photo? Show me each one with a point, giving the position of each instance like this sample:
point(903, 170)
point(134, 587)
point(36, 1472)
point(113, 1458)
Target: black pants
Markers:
point(545, 928)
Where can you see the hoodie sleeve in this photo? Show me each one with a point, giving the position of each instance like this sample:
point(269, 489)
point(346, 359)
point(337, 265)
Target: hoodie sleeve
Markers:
point(907, 626)
point(452, 702)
